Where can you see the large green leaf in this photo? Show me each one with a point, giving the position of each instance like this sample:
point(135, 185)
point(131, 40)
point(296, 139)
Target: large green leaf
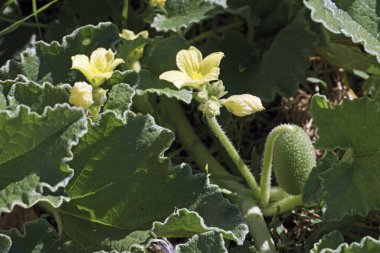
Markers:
point(38, 237)
point(356, 19)
point(52, 62)
point(160, 54)
point(125, 157)
point(120, 98)
point(329, 241)
point(366, 245)
point(34, 149)
point(210, 242)
point(180, 14)
point(135, 240)
point(281, 68)
point(349, 186)
point(36, 96)
point(185, 223)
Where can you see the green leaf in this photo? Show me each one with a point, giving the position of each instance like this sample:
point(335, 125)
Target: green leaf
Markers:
point(282, 66)
point(329, 241)
point(136, 239)
point(354, 18)
point(210, 242)
point(39, 236)
point(126, 48)
point(349, 186)
point(148, 83)
point(185, 223)
point(5, 243)
point(34, 149)
point(52, 62)
point(36, 96)
point(371, 87)
point(125, 157)
point(181, 14)
point(160, 54)
point(312, 192)
point(349, 58)
point(120, 98)
point(366, 245)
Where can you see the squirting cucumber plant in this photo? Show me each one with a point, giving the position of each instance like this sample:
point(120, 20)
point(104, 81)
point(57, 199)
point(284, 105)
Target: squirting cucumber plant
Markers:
point(157, 130)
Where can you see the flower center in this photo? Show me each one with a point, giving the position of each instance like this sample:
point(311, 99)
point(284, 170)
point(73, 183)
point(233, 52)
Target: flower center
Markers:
point(196, 76)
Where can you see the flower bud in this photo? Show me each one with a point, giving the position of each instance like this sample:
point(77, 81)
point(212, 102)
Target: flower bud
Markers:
point(242, 105)
point(211, 108)
point(81, 95)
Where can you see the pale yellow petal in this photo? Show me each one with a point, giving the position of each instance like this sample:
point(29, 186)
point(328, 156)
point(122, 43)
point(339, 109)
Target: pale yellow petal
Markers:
point(242, 105)
point(115, 63)
point(98, 79)
point(212, 75)
point(80, 62)
point(178, 78)
point(81, 95)
point(127, 34)
point(144, 34)
point(211, 63)
point(98, 59)
point(190, 61)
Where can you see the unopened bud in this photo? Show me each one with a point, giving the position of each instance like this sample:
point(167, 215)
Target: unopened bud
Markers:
point(242, 105)
point(81, 95)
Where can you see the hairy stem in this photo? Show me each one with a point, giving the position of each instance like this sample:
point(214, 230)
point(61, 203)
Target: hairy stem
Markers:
point(267, 163)
point(234, 155)
point(283, 206)
point(257, 226)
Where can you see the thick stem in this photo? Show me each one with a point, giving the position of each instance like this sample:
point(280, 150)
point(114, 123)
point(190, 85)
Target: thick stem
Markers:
point(277, 194)
point(257, 226)
point(234, 155)
point(283, 205)
point(267, 163)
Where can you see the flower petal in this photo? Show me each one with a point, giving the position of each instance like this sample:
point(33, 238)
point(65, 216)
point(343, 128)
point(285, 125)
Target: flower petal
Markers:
point(211, 62)
point(212, 75)
point(178, 78)
point(189, 61)
point(242, 105)
point(81, 63)
point(99, 59)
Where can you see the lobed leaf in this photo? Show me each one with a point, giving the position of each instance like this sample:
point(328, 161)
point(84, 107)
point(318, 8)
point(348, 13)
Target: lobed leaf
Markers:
point(181, 14)
point(356, 19)
point(349, 186)
point(33, 152)
point(209, 242)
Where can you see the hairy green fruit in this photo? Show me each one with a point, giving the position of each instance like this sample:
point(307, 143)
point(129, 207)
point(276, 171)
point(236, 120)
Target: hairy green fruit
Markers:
point(293, 159)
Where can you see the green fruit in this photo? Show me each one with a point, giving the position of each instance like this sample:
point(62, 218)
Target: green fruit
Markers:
point(293, 159)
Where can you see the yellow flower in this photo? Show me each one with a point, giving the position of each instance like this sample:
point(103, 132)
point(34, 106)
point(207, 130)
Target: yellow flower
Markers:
point(242, 105)
point(158, 3)
point(99, 67)
point(130, 35)
point(81, 95)
point(194, 71)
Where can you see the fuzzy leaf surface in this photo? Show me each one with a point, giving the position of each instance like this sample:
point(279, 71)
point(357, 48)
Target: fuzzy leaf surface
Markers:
point(329, 241)
point(180, 14)
point(33, 151)
point(356, 19)
point(52, 62)
point(366, 245)
point(210, 242)
point(124, 156)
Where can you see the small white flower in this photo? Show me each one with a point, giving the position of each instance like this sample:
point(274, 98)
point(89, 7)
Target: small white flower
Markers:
point(242, 105)
point(81, 95)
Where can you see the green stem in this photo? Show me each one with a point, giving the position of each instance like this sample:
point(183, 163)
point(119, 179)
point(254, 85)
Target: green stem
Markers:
point(174, 118)
point(234, 155)
point(207, 34)
point(257, 226)
point(283, 205)
point(277, 193)
point(267, 163)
